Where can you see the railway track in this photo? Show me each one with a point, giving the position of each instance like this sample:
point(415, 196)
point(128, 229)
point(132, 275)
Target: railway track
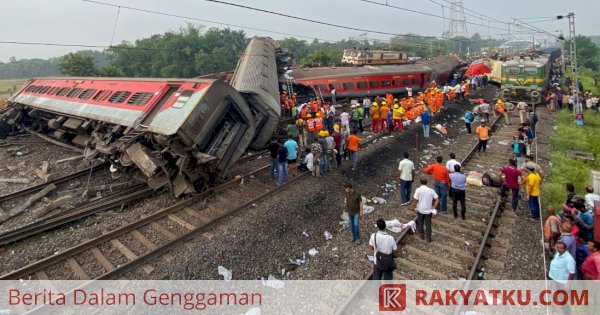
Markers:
point(117, 252)
point(460, 247)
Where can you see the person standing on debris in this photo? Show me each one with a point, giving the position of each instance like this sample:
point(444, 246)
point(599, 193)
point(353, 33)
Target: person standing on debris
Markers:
point(533, 120)
point(502, 111)
point(384, 250)
point(469, 117)
point(273, 148)
point(282, 165)
point(292, 130)
point(292, 153)
point(522, 108)
point(337, 138)
point(459, 187)
point(441, 182)
point(331, 160)
point(361, 117)
point(333, 94)
point(383, 111)
point(355, 118)
point(353, 147)
point(532, 191)
point(406, 171)
point(483, 134)
point(354, 207)
point(323, 161)
point(424, 200)
point(425, 117)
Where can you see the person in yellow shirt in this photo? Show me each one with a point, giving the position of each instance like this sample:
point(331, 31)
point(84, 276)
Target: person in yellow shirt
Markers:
point(397, 117)
point(483, 133)
point(532, 191)
point(375, 118)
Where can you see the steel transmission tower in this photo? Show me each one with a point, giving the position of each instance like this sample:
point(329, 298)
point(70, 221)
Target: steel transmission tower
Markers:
point(458, 21)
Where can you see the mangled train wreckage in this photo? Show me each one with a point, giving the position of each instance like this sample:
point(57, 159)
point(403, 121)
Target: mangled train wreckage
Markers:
point(181, 133)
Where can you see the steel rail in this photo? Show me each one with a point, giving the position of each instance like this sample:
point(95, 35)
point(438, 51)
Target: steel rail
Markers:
point(53, 181)
point(404, 233)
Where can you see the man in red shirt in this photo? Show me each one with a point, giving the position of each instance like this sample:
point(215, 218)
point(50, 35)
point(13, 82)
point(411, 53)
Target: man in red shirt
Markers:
point(591, 265)
point(441, 182)
point(511, 181)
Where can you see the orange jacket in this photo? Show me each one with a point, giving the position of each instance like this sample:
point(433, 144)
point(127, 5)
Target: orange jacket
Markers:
point(439, 172)
point(318, 123)
point(310, 124)
point(374, 112)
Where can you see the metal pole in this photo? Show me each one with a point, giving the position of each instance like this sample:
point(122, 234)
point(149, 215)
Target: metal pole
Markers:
point(573, 53)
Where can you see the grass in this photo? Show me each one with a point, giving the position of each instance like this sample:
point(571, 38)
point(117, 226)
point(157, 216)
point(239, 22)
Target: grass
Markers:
point(586, 76)
point(7, 85)
point(565, 169)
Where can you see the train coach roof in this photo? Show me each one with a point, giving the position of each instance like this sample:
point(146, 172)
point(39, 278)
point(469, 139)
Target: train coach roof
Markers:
point(121, 79)
point(316, 73)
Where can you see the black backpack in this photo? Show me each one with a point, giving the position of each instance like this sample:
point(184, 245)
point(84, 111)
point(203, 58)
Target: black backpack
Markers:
point(385, 262)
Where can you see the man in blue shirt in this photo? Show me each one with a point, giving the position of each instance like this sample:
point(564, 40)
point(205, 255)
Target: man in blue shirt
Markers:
point(292, 153)
point(469, 117)
point(458, 184)
point(282, 166)
point(425, 121)
point(562, 270)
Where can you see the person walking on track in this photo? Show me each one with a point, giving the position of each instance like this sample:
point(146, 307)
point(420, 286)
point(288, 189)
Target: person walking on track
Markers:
point(424, 201)
point(384, 250)
point(483, 134)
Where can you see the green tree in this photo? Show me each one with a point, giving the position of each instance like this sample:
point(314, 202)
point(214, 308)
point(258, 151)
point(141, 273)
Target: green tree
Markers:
point(588, 54)
point(77, 64)
point(110, 71)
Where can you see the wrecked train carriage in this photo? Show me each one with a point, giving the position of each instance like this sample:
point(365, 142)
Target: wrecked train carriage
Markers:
point(183, 133)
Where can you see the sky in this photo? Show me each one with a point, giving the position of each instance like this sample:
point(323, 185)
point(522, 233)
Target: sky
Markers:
point(84, 23)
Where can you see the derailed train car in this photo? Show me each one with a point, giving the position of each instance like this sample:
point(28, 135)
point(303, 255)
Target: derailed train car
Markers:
point(181, 133)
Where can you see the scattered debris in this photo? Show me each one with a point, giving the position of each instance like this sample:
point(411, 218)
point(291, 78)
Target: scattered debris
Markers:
point(305, 234)
point(226, 273)
point(38, 196)
point(70, 159)
point(15, 180)
point(379, 200)
point(328, 236)
point(368, 209)
point(61, 201)
point(42, 172)
point(313, 252)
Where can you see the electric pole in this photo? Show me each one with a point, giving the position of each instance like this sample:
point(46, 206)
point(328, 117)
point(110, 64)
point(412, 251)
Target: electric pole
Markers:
point(573, 55)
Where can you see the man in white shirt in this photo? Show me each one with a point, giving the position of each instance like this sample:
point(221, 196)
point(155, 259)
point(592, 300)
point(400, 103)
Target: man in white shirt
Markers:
point(309, 160)
point(406, 171)
point(450, 164)
point(425, 199)
point(345, 118)
point(385, 244)
point(409, 91)
point(590, 197)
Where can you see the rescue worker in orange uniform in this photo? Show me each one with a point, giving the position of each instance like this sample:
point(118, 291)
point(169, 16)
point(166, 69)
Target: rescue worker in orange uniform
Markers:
point(383, 111)
point(310, 127)
point(439, 101)
point(389, 98)
point(318, 122)
point(304, 112)
point(375, 117)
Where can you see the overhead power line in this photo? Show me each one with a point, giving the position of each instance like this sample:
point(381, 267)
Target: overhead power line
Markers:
point(204, 21)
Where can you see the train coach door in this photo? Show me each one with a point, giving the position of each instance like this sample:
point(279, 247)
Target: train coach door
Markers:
point(160, 104)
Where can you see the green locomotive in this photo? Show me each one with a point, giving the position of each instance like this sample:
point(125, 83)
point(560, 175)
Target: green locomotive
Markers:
point(525, 78)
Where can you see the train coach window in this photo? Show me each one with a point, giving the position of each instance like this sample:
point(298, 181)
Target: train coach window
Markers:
point(87, 93)
point(385, 83)
point(140, 98)
point(373, 84)
point(31, 88)
point(320, 87)
point(406, 82)
point(62, 91)
point(119, 97)
point(102, 95)
point(53, 90)
point(348, 86)
point(361, 85)
point(182, 99)
point(530, 70)
point(415, 81)
point(74, 92)
point(512, 70)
